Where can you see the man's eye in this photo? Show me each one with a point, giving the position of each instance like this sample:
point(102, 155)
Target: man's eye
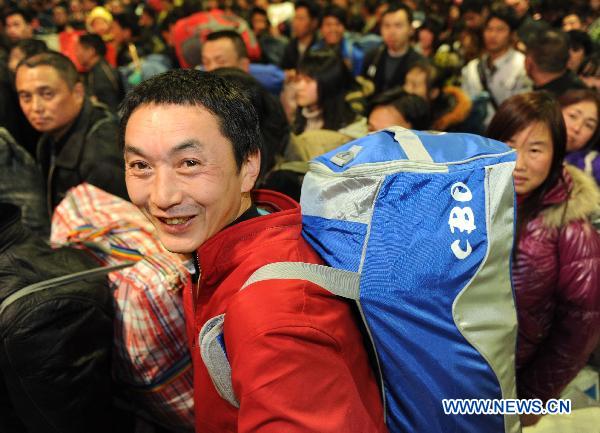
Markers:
point(138, 165)
point(190, 163)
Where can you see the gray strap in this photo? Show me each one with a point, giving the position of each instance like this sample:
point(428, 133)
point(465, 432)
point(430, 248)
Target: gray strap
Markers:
point(46, 284)
point(215, 358)
point(337, 281)
point(410, 143)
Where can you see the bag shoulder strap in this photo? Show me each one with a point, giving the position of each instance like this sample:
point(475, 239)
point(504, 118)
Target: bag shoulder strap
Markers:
point(484, 83)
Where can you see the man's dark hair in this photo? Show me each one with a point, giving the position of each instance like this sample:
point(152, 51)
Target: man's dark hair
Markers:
point(550, 50)
point(274, 126)
point(412, 107)
point(505, 14)
point(580, 40)
point(477, 6)
point(94, 42)
point(234, 37)
point(61, 63)
point(25, 13)
point(336, 12)
point(128, 21)
point(311, 7)
point(396, 6)
point(235, 114)
point(258, 10)
point(30, 47)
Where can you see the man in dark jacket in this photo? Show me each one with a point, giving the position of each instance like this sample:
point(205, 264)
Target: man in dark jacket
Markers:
point(55, 342)
point(388, 64)
point(79, 139)
point(101, 80)
point(546, 63)
point(304, 26)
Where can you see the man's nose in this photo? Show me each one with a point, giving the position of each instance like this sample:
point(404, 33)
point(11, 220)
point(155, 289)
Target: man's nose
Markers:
point(165, 190)
point(37, 104)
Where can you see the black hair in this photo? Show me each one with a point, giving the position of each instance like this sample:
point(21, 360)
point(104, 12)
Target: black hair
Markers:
point(129, 22)
point(30, 47)
point(95, 42)
point(61, 63)
point(505, 14)
point(396, 6)
point(334, 81)
point(274, 126)
point(412, 107)
point(477, 6)
point(549, 50)
point(336, 12)
point(311, 7)
point(580, 40)
point(25, 13)
point(234, 37)
point(230, 104)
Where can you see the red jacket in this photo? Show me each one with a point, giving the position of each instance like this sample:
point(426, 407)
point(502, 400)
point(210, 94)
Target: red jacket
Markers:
point(296, 353)
point(557, 287)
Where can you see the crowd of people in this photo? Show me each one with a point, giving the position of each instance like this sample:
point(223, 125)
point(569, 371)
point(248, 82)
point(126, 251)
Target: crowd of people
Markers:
point(81, 100)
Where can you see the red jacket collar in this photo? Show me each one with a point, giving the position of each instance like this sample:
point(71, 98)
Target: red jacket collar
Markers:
point(227, 248)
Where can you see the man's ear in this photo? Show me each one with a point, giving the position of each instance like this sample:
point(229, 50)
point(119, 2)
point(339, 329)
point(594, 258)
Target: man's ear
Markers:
point(245, 64)
point(79, 91)
point(529, 66)
point(433, 94)
point(250, 171)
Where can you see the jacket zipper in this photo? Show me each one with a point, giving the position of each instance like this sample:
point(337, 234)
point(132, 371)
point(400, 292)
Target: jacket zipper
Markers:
point(47, 284)
point(49, 184)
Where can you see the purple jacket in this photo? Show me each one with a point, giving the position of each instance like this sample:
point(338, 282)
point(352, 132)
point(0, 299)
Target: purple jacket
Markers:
point(587, 160)
point(556, 277)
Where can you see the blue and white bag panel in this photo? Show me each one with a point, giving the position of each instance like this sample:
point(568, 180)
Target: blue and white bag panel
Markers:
point(427, 221)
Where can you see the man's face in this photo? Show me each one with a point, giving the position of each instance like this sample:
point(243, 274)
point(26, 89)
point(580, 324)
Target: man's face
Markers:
point(473, 20)
point(571, 22)
point(45, 98)
point(396, 30)
point(182, 174)
point(520, 6)
point(496, 36)
point(332, 30)
point(17, 28)
point(415, 83)
point(221, 53)
point(85, 56)
point(302, 24)
point(259, 23)
point(60, 16)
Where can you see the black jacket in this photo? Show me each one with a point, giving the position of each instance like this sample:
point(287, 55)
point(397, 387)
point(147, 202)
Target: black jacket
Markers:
point(104, 82)
point(88, 152)
point(560, 85)
point(374, 67)
point(56, 341)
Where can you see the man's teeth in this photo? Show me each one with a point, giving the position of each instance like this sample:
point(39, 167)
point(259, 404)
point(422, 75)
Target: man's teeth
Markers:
point(174, 221)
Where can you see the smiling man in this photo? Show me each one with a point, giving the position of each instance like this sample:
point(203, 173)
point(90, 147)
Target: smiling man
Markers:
point(79, 141)
point(192, 153)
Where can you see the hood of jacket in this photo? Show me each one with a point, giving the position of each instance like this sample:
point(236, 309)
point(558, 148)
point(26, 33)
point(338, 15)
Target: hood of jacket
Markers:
point(576, 198)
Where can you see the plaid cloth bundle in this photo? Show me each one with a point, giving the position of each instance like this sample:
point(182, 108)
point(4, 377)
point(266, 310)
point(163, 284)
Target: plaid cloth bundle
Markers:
point(151, 358)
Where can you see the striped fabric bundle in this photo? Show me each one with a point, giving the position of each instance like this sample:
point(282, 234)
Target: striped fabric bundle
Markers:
point(151, 358)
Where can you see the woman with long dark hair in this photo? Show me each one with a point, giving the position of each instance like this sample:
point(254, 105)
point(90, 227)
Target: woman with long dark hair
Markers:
point(556, 266)
point(581, 111)
point(324, 93)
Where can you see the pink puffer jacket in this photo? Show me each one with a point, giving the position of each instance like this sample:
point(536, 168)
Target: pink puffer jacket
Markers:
point(557, 286)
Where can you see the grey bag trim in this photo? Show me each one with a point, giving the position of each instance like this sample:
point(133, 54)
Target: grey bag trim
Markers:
point(65, 279)
point(410, 143)
point(215, 359)
point(337, 281)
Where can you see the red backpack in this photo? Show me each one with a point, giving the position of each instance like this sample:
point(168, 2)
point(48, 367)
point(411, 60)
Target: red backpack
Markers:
point(189, 33)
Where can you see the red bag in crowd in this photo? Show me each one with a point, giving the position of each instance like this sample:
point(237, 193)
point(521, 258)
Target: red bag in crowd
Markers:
point(188, 34)
point(68, 44)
